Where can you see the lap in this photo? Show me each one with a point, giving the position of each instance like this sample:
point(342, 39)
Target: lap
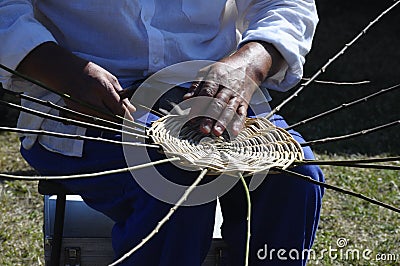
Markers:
point(285, 209)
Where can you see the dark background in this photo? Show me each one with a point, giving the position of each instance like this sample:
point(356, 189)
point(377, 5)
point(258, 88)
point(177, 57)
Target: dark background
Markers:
point(375, 58)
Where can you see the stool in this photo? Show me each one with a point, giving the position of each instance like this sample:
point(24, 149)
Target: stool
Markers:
point(216, 255)
point(53, 188)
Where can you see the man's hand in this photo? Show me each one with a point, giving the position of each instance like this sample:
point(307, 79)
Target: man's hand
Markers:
point(82, 80)
point(231, 82)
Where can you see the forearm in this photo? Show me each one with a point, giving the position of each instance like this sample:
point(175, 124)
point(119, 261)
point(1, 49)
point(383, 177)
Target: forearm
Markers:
point(53, 66)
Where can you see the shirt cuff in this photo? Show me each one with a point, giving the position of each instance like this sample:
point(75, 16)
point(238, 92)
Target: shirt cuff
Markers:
point(291, 71)
point(289, 27)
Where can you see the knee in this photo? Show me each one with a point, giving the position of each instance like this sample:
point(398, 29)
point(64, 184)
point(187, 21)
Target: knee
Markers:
point(314, 172)
point(296, 185)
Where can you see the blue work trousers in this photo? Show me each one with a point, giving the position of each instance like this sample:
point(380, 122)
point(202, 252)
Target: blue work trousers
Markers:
point(285, 209)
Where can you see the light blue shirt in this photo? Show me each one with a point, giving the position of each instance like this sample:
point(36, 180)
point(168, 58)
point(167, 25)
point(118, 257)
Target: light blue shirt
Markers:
point(135, 38)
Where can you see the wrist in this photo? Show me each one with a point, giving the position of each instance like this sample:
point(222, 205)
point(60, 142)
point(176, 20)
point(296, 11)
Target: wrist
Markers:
point(262, 60)
point(274, 56)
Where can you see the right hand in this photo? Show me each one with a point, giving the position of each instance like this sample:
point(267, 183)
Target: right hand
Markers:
point(232, 82)
point(82, 80)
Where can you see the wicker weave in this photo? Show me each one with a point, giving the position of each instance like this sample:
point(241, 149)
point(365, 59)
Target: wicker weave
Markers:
point(258, 147)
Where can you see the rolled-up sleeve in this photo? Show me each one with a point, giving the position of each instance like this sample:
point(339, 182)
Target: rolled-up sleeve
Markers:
point(289, 25)
point(20, 33)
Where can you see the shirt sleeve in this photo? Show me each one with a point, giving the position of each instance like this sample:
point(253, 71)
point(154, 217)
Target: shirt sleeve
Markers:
point(289, 25)
point(20, 33)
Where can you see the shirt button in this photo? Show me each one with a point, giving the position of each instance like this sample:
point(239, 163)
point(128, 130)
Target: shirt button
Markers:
point(156, 60)
point(146, 17)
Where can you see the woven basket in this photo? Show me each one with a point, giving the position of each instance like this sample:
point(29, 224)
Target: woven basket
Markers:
point(258, 147)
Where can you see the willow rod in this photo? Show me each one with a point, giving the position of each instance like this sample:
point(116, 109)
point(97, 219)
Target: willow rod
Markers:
point(248, 200)
point(352, 135)
point(72, 136)
point(90, 175)
point(165, 219)
point(370, 160)
point(360, 163)
point(128, 93)
point(372, 166)
point(330, 61)
point(67, 120)
point(343, 106)
point(338, 82)
point(365, 165)
point(67, 110)
point(341, 190)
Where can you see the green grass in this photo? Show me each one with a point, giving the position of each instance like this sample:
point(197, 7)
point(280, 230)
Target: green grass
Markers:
point(20, 210)
point(363, 225)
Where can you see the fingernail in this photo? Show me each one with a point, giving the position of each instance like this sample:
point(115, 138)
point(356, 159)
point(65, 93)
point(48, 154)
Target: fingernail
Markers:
point(218, 130)
point(187, 95)
point(205, 128)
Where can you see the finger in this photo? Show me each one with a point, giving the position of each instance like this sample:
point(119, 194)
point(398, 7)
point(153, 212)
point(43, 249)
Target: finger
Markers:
point(111, 100)
point(114, 102)
point(193, 90)
point(216, 107)
point(219, 103)
point(206, 125)
point(239, 119)
point(213, 111)
point(131, 108)
point(119, 108)
point(207, 90)
point(124, 102)
point(128, 113)
point(226, 116)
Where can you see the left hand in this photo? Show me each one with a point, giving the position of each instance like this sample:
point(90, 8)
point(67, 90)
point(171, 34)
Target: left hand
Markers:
point(231, 82)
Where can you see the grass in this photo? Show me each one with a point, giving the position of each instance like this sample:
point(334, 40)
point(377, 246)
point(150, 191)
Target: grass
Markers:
point(362, 225)
point(20, 210)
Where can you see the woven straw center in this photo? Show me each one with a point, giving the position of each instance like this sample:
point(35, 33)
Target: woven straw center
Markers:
point(258, 147)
